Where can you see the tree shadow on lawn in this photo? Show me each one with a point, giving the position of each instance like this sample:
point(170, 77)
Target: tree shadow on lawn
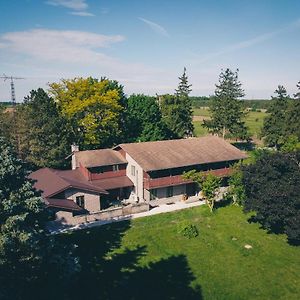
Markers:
point(274, 229)
point(107, 275)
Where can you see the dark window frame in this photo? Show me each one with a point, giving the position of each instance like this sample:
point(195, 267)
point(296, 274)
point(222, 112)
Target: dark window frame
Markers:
point(80, 201)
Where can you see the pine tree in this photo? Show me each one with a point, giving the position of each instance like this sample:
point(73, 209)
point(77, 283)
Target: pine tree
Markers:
point(29, 258)
point(292, 123)
point(275, 123)
point(184, 88)
point(184, 107)
point(44, 136)
point(177, 110)
point(226, 109)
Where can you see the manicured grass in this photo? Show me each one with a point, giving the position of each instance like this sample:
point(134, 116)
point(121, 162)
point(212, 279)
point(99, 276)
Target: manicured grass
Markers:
point(148, 259)
point(254, 121)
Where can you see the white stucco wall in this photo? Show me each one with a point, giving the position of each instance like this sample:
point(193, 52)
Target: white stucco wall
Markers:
point(137, 179)
point(91, 200)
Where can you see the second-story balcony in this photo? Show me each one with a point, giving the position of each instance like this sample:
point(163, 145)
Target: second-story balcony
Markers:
point(152, 183)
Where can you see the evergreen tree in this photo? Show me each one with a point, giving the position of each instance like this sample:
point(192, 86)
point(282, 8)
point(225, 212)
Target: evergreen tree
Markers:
point(292, 123)
point(177, 116)
point(177, 110)
point(226, 109)
point(44, 135)
point(275, 123)
point(29, 258)
point(184, 88)
point(144, 119)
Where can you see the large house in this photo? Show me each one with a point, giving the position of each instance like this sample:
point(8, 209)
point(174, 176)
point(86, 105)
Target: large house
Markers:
point(131, 178)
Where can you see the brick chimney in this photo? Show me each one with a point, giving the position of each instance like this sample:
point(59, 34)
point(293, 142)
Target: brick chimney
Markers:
point(74, 148)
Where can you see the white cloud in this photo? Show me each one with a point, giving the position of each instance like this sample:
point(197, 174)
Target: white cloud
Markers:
point(82, 14)
point(78, 7)
point(65, 46)
point(72, 4)
point(155, 27)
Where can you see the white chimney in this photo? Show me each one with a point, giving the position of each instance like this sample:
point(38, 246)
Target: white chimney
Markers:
point(74, 148)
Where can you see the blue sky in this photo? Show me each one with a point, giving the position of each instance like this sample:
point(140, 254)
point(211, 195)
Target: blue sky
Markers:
point(145, 44)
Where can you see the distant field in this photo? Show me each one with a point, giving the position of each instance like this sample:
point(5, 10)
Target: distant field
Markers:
point(254, 121)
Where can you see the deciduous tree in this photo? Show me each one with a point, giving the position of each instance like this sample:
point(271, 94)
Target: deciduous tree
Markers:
point(210, 186)
point(208, 183)
point(93, 107)
point(236, 186)
point(145, 119)
point(272, 189)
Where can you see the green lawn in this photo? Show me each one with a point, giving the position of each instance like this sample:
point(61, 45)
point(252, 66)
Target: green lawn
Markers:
point(199, 130)
point(148, 259)
point(254, 121)
point(201, 112)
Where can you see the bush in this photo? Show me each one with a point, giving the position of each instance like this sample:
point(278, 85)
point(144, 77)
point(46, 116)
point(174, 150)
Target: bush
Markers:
point(188, 230)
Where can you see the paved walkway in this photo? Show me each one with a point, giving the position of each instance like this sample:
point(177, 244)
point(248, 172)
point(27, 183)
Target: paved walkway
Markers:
point(164, 208)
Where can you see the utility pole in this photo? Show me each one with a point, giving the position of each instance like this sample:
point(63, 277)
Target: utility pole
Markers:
point(12, 87)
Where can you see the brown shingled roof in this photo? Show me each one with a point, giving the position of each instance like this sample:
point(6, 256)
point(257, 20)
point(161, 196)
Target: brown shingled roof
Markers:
point(63, 204)
point(52, 182)
point(98, 158)
point(114, 182)
point(179, 153)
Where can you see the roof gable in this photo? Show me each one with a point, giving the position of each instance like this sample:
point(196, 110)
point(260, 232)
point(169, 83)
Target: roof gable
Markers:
point(98, 158)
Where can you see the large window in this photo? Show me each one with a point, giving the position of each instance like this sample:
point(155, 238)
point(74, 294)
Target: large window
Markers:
point(170, 191)
point(153, 194)
point(80, 201)
point(132, 170)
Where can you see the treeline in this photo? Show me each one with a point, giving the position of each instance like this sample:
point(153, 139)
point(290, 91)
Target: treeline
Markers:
point(254, 104)
point(93, 113)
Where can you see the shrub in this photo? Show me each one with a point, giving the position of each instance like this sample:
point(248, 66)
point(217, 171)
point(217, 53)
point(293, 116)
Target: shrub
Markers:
point(188, 230)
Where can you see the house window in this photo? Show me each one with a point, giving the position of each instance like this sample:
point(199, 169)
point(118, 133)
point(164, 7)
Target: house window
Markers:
point(80, 201)
point(132, 170)
point(153, 194)
point(170, 191)
point(115, 168)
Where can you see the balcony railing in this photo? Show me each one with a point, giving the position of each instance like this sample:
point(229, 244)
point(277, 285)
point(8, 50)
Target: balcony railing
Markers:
point(151, 183)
